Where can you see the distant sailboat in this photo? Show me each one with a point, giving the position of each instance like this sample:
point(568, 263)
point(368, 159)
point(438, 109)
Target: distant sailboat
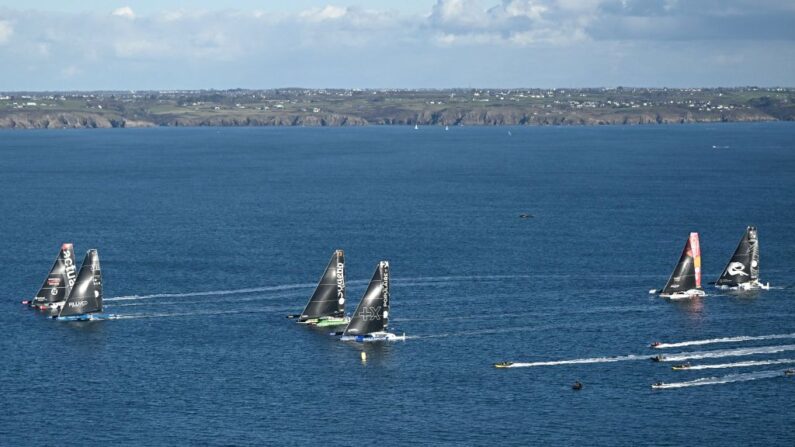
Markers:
point(85, 301)
point(446, 127)
point(685, 281)
point(326, 306)
point(59, 281)
point(416, 127)
point(370, 320)
point(742, 271)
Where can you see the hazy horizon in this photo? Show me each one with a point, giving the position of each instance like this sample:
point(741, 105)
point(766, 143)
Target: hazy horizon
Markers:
point(418, 44)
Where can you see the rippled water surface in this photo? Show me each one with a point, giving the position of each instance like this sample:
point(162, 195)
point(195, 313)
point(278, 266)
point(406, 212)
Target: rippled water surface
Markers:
point(209, 237)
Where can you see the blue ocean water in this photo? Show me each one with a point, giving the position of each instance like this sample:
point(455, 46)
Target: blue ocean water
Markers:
point(210, 236)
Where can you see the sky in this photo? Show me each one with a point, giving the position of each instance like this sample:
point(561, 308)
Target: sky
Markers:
point(178, 44)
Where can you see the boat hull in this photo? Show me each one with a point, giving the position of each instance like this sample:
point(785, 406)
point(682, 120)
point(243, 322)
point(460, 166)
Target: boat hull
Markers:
point(746, 286)
point(374, 337)
point(690, 294)
point(331, 322)
point(87, 317)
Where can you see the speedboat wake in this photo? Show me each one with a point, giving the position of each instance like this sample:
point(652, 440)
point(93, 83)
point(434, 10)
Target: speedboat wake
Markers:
point(731, 378)
point(711, 341)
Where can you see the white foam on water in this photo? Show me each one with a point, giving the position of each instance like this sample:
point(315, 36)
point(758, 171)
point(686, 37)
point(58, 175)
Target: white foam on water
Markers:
point(724, 379)
point(742, 364)
point(727, 353)
point(709, 341)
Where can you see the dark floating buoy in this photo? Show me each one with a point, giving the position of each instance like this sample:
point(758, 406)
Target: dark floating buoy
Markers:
point(577, 386)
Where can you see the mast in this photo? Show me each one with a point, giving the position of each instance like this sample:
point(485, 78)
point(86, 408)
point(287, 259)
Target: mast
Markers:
point(328, 300)
point(59, 281)
point(743, 267)
point(687, 273)
point(86, 295)
point(372, 314)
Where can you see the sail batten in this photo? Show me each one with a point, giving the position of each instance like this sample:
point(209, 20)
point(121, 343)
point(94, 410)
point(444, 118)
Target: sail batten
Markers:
point(328, 299)
point(743, 267)
point(372, 313)
point(86, 295)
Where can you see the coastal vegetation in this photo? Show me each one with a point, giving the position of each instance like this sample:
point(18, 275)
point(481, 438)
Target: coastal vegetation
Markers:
point(358, 107)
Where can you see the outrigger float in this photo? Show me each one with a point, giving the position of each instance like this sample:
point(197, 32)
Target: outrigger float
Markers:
point(742, 271)
point(326, 306)
point(370, 320)
point(85, 300)
point(685, 281)
point(59, 282)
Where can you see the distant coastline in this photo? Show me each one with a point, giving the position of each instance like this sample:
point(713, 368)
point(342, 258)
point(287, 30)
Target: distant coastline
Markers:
point(340, 107)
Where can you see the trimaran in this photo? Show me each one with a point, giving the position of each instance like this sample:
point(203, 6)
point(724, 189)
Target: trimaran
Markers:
point(371, 318)
point(685, 281)
point(58, 284)
point(742, 271)
point(85, 300)
point(326, 306)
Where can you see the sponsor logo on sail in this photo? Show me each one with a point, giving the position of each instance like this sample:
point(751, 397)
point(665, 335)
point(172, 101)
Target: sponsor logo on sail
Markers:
point(341, 283)
point(69, 267)
point(78, 303)
point(371, 313)
point(736, 269)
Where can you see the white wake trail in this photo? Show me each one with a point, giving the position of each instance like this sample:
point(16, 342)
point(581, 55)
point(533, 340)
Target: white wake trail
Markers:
point(667, 358)
point(200, 313)
point(710, 341)
point(724, 379)
point(622, 358)
point(742, 364)
point(727, 353)
point(211, 292)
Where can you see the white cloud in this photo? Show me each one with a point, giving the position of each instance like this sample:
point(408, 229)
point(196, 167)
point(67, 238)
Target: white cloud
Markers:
point(248, 47)
point(329, 12)
point(124, 11)
point(6, 31)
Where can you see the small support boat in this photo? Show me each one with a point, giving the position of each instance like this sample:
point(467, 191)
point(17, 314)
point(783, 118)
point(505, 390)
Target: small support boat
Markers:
point(503, 364)
point(681, 367)
point(577, 385)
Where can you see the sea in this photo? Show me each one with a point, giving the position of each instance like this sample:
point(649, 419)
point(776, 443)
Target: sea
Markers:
point(210, 237)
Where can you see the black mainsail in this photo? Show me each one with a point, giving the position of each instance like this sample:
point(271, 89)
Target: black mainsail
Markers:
point(687, 273)
point(59, 281)
point(743, 267)
point(86, 296)
point(372, 314)
point(328, 300)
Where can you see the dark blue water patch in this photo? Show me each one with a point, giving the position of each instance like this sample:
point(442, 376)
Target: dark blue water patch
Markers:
point(216, 234)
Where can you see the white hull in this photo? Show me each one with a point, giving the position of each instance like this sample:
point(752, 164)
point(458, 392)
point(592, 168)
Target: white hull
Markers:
point(375, 336)
point(751, 285)
point(692, 293)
